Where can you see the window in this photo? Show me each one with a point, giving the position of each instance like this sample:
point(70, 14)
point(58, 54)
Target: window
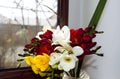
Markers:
point(20, 20)
point(63, 12)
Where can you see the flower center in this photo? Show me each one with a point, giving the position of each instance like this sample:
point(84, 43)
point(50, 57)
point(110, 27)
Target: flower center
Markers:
point(67, 59)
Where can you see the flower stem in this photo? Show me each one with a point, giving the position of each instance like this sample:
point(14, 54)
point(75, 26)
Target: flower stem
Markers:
point(97, 14)
point(79, 68)
point(52, 74)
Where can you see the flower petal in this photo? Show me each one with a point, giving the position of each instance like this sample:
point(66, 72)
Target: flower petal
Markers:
point(29, 60)
point(61, 36)
point(38, 35)
point(54, 58)
point(77, 50)
point(66, 32)
point(67, 62)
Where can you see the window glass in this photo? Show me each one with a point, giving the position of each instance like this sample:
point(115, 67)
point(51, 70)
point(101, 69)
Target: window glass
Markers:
point(24, 12)
point(20, 20)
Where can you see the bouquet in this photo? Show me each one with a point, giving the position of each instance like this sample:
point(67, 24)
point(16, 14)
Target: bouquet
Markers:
point(55, 51)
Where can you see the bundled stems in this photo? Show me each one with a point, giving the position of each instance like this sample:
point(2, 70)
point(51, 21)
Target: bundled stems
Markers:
point(79, 67)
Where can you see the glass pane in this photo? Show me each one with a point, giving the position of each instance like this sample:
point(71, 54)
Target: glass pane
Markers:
point(20, 20)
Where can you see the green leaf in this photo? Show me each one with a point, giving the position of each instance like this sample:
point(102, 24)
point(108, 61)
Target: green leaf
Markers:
point(23, 55)
point(19, 65)
point(20, 60)
point(101, 54)
point(97, 14)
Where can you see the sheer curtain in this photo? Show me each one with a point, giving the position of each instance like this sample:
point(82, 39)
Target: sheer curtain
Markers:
point(106, 67)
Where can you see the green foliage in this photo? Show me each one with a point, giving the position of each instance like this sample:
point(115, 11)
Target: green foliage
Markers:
point(97, 14)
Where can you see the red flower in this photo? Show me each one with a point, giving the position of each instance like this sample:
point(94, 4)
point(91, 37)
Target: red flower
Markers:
point(91, 44)
point(87, 38)
point(76, 36)
point(87, 29)
point(45, 47)
point(47, 34)
point(28, 46)
point(83, 38)
point(34, 40)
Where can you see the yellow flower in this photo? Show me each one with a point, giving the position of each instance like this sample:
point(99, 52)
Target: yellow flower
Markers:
point(29, 60)
point(38, 63)
point(42, 61)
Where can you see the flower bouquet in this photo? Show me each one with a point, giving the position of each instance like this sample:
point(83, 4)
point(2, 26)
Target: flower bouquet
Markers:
point(55, 52)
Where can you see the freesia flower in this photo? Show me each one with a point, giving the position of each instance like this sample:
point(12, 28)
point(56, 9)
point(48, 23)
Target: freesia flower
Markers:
point(47, 35)
point(45, 29)
point(59, 50)
point(38, 35)
point(55, 58)
point(29, 60)
point(63, 56)
point(61, 36)
point(68, 62)
point(76, 36)
point(38, 63)
point(44, 46)
point(77, 50)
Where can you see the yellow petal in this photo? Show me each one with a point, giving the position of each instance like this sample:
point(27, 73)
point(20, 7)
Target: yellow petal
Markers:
point(42, 61)
point(29, 60)
point(35, 69)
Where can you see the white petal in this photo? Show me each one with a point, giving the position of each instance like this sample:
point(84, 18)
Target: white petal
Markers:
point(54, 58)
point(60, 49)
point(61, 36)
point(66, 32)
point(38, 35)
point(77, 50)
point(67, 62)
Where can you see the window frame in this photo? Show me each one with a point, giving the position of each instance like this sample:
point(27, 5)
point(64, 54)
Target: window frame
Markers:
point(63, 8)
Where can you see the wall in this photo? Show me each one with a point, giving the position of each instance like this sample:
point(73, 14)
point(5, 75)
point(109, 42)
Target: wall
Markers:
point(75, 11)
point(106, 67)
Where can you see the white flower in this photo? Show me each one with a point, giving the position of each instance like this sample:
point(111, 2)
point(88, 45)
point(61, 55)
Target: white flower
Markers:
point(61, 36)
point(64, 58)
point(54, 58)
point(77, 50)
point(60, 49)
point(67, 62)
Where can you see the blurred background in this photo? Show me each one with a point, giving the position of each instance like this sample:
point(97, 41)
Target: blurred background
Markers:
point(20, 20)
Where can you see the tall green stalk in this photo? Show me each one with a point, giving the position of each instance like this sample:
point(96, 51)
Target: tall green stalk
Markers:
point(97, 14)
point(93, 23)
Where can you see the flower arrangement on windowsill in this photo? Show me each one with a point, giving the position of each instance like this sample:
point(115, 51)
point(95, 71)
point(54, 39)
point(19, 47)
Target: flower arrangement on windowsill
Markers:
point(54, 52)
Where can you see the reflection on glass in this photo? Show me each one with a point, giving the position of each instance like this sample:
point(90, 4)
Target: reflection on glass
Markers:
point(20, 20)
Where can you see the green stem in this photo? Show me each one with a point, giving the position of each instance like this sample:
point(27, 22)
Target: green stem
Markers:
point(97, 14)
point(52, 74)
point(79, 67)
